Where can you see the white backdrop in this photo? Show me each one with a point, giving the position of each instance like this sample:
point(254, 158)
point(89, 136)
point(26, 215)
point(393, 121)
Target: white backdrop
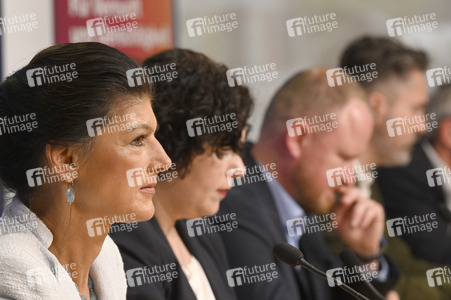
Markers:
point(261, 36)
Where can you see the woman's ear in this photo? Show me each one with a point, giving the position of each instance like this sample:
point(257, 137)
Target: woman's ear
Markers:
point(61, 159)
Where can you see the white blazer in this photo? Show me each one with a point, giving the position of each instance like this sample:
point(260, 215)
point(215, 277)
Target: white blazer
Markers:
point(28, 270)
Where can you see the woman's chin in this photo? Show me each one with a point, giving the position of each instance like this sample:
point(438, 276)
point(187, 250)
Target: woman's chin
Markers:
point(145, 213)
point(212, 210)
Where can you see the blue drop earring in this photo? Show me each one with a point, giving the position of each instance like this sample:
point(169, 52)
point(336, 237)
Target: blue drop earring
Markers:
point(70, 194)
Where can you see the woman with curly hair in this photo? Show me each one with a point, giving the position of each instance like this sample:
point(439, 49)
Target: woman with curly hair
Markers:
point(202, 123)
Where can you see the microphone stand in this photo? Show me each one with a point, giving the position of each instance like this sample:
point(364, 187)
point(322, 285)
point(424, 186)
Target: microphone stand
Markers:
point(343, 286)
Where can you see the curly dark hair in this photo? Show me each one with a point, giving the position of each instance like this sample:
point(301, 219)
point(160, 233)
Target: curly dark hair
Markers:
point(199, 90)
point(390, 56)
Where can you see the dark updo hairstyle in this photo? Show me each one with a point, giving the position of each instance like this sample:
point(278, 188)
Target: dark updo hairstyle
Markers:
point(61, 108)
point(200, 90)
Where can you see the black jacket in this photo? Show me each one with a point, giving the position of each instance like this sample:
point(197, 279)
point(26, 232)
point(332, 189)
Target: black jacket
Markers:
point(147, 246)
point(259, 229)
point(406, 192)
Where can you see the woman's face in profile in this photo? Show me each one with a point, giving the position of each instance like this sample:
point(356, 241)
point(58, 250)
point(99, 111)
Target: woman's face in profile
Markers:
point(119, 175)
point(200, 192)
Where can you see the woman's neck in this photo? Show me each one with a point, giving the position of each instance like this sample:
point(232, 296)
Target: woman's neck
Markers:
point(165, 218)
point(74, 248)
point(167, 221)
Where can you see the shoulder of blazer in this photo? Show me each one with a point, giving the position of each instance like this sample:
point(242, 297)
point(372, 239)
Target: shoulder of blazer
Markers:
point(147, 246)
point(254, 206)
point(414, 169)
point(147, 236)
point(254, 196)
point(393, 182)
point(209, 250)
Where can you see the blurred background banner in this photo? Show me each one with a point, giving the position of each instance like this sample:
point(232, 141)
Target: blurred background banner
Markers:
point(241, 34)
point(139, 28)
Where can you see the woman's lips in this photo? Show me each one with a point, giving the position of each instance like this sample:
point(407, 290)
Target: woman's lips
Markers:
point(223, 192)
point(148, 189)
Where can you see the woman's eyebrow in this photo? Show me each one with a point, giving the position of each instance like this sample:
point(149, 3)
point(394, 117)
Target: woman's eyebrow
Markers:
point(150, 129)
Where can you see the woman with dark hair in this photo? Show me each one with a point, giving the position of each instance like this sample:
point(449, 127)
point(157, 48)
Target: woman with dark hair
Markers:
point(73, 134)
point(202, 124)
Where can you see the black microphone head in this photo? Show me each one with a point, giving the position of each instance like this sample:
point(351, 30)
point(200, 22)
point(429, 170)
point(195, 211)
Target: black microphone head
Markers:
point(287, 253)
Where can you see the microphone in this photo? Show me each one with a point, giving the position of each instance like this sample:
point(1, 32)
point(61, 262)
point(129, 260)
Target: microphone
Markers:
point(350, 260)
point(294, 257)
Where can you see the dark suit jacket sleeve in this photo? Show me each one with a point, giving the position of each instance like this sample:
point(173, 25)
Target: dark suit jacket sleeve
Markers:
point(147, 246)
point(210, 252)
point(251, 244)
point(259, 228)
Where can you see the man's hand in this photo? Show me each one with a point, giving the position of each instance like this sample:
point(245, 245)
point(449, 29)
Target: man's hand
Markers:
point(360, 221)
point(392, 295)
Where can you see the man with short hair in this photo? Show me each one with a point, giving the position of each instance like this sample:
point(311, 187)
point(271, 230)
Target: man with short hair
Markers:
point(399, 97)
point(309, 129)
point(399, 91)
point(424, 188)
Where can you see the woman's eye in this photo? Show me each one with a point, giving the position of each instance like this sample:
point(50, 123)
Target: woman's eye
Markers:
point(138, 141)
